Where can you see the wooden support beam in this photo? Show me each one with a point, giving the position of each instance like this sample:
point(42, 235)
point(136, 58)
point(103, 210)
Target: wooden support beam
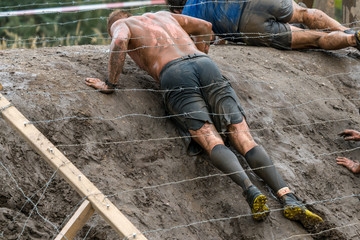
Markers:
point(68, 171)
point(76, 222)
point(351, 12)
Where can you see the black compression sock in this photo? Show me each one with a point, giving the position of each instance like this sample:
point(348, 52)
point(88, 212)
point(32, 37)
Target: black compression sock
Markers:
point(226, 161)
point(258, 158)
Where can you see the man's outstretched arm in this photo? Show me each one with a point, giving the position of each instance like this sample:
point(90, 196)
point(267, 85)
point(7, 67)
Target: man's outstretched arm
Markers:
point(119, 45)
point(200, 30)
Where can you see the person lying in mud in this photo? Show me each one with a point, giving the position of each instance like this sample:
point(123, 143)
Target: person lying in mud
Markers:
point(200, 99)
point(271, 23)
point(353, 166)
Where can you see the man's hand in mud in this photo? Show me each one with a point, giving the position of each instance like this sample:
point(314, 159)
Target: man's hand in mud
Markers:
point(99, 85)
point(349, 134)
point(353, 166)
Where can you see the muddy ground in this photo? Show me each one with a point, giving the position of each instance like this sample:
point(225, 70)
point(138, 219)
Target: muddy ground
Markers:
point(296, 103)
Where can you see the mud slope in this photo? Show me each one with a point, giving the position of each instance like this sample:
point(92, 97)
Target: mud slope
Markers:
point(296, 103)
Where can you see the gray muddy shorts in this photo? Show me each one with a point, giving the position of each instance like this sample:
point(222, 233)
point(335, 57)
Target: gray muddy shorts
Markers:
point(264, 23)
point(198, 93)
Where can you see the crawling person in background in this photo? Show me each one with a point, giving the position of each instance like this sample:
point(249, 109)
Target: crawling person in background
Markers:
point(353, 166)
point(199, 98)
point(271, 23)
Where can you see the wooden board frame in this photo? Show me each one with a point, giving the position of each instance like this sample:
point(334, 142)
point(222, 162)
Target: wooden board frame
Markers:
point(69, 172)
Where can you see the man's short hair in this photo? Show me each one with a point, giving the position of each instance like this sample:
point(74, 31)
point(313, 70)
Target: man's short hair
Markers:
point(114, 16)
point(176, 4)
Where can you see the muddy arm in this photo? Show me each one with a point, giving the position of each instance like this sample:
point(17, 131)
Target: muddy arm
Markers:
point(118, 48)
point(200, 30)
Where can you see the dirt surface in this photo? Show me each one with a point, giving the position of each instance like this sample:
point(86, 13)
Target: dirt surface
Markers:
point(296, 103)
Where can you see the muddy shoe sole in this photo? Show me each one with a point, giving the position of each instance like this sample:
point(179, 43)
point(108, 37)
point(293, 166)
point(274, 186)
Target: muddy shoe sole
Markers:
point(307, 218)
point(259, 209)
point(357, 37)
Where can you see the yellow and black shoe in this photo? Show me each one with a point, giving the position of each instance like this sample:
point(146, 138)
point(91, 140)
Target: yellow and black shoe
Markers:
point(257, 202)
point(357, 37)
point(296, 211)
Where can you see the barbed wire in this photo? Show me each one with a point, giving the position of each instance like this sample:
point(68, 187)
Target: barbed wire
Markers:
point(133, 236)
point(191, 43)
point(183, 137)
point(101, 118)
point(54, 23)
point(29, 199)
point(232, 37)
point(129, 5)
point(321, 232)
point(43, 189)
point(222, 174)
point(193, 223)
point(75, 208)
point(36, 208)
point(34, 4)
point(97, 1)
point(61, 92)
point(133, 9)
point(93, 225)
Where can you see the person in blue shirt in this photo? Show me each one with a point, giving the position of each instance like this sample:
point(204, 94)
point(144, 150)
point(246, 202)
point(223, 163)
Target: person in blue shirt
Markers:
point(270, 23)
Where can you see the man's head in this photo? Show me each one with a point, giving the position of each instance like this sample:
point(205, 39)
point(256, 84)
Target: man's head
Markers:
point(114, 16)
point(176, 6)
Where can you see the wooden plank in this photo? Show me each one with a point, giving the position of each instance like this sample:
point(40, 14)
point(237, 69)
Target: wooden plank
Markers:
point(76, 222)
point(68, 171)
point(351, 12)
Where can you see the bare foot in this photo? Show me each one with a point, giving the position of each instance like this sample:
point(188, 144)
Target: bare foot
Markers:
point(353, 166)
point(98, 84)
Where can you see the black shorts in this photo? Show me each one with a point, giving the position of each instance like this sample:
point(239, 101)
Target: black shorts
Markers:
point(265, 23)
point(198, 93)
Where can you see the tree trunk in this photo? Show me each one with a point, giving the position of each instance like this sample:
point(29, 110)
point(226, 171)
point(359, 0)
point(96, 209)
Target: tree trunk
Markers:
point(351, 12)
point(327, 6)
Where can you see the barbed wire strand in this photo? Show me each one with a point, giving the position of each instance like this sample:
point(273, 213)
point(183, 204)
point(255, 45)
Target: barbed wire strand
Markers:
point(183, 137)
point(101, 118)
point(36, 208)
point(103, 6)
point(138, 8)
point(55, 3)
point(234, 217)
point(93, 225)
point(27, 198)
point(236, 36)
point(47, 93)
point(321, 232)
point(45, 187)
point(222, 174)
point(157, 185)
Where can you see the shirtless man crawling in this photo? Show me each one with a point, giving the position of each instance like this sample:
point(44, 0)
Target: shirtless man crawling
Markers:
point(199, 98)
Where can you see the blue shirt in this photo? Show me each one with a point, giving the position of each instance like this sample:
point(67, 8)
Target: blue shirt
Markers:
point(223, 14)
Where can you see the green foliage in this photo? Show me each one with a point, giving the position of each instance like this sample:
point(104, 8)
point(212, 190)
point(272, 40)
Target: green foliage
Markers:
point(338, 10)
point(71, 28)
